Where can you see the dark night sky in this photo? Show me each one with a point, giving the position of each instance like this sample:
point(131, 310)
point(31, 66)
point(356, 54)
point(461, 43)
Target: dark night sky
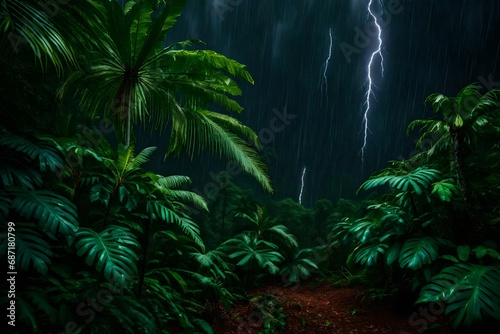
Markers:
point(428, 46)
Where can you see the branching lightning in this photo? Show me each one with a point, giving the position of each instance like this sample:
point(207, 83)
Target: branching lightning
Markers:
point(302, 186)
point(369, 92)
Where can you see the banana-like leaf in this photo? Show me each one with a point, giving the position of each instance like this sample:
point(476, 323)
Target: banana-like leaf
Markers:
point(112, 251)
point(55, 214)
point(470, 292)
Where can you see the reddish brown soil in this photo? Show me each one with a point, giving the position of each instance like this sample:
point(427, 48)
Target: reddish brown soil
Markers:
point(323, 309)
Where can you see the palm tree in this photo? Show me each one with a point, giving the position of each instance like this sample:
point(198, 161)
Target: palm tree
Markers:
point(465, 119)
point(132, 77)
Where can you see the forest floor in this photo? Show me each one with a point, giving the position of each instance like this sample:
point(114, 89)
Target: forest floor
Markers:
point(322, 309)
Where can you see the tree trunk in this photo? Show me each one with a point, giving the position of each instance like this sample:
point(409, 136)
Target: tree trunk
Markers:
point(127, 142)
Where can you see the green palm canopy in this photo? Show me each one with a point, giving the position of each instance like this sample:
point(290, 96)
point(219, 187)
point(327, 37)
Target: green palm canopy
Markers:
point(131, 77)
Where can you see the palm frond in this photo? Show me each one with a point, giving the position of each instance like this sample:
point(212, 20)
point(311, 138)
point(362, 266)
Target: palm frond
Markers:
point(202, 132)
point(143, 157)
point(159, 28)
point(161, 212)
point(167, 185)
point(173, 181)
point(25, 23)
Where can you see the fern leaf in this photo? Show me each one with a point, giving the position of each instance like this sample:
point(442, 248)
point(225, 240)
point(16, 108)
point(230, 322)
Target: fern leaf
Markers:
point(189, 227)
point(143, 156)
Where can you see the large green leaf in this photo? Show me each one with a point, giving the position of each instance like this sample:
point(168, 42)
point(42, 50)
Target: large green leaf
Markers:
point(112, 251)
point(471, 293)
point(393, 253)
point(31, 248)
point(417, 180)
point(55, 214)
point(363, 229)
point(368, 254)
point(416, 252)
point(445, 189)
point(36, 150)
point(14, 173)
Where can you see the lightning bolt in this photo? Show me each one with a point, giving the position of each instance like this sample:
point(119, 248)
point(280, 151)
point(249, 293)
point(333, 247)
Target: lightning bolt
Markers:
point(302, 186)
point(369, 92)
point(327, 62)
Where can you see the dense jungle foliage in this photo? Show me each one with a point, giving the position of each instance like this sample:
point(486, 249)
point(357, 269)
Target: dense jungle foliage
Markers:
point(104, 245)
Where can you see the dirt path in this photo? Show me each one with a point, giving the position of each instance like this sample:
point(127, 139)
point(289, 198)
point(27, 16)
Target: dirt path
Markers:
point(322, 309)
